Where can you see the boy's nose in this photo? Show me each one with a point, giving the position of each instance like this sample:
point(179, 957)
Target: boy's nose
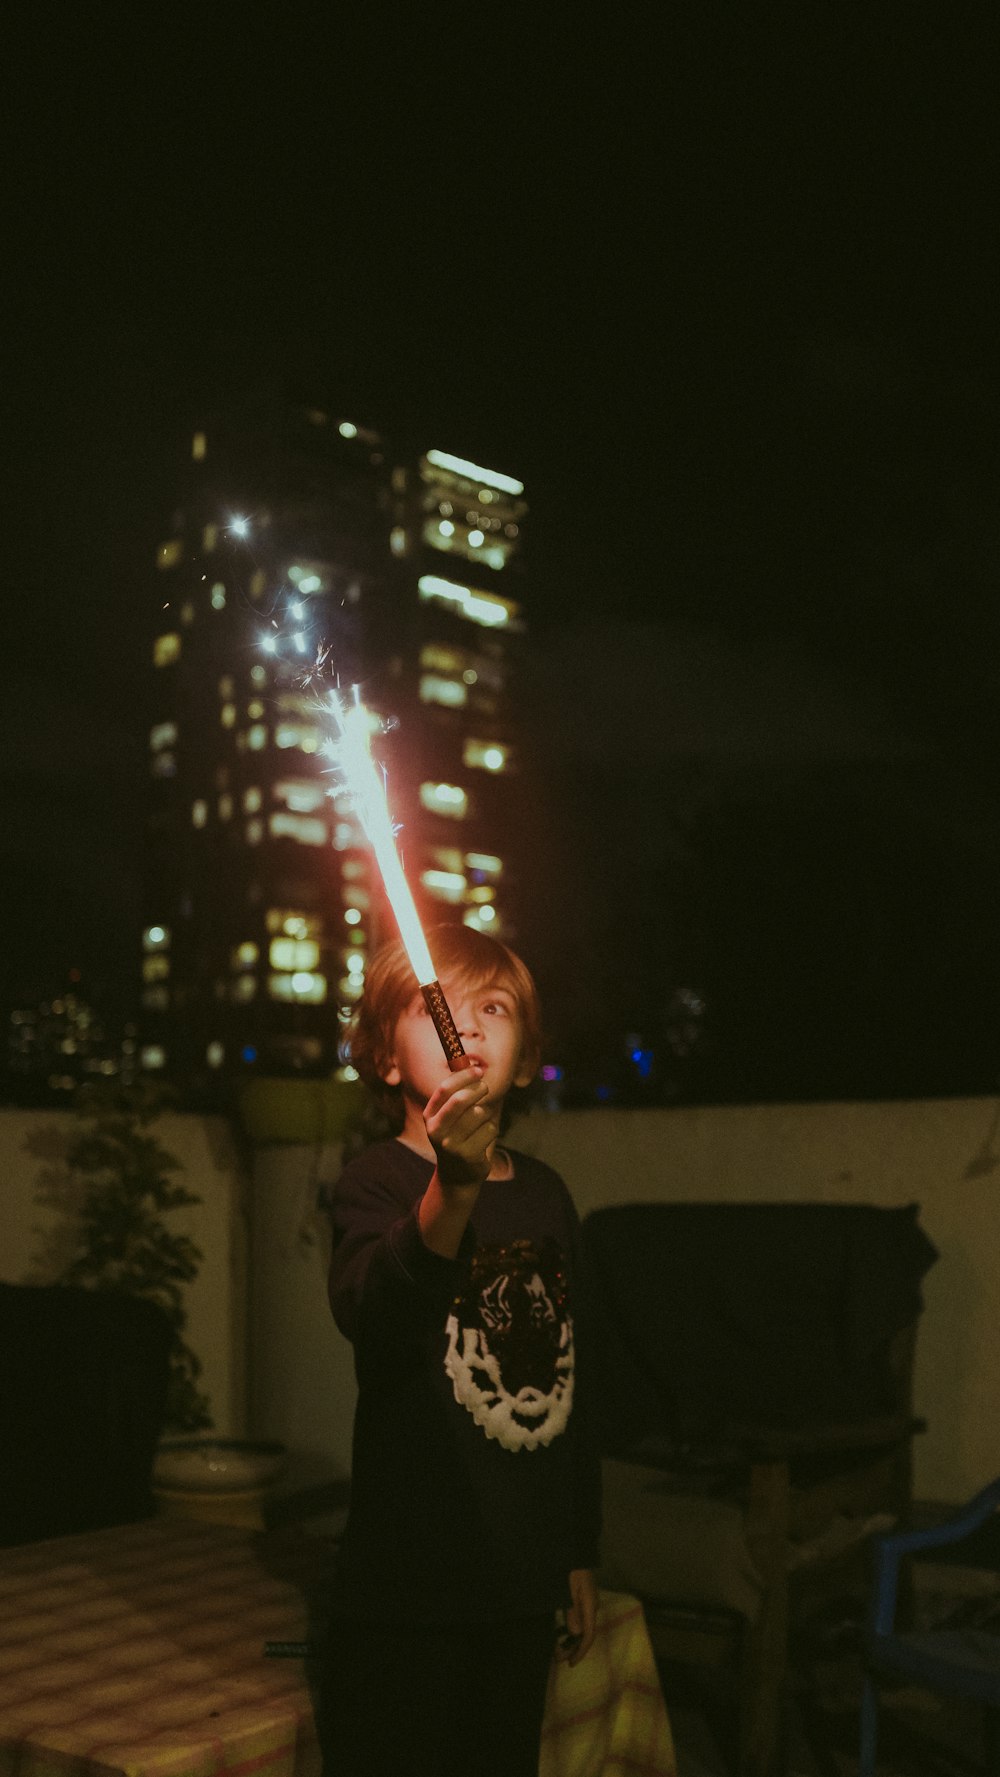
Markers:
point(469, 1023)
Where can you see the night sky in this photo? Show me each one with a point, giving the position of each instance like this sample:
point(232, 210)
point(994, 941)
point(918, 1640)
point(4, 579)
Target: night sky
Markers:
point(723, 294)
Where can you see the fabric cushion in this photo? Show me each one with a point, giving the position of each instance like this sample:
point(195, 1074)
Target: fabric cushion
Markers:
point(674, 1546)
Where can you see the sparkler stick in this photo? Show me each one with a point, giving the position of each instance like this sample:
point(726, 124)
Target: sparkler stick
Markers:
point(352, 754)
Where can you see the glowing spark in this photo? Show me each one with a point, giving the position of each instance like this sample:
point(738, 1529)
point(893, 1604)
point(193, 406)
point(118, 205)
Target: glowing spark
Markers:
point(240, 527)
point(351, 752)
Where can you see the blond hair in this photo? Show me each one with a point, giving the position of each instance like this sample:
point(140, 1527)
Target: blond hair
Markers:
point(472, 960)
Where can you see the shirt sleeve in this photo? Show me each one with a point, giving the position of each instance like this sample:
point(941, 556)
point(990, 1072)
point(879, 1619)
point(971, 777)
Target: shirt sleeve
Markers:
point(387, 1289)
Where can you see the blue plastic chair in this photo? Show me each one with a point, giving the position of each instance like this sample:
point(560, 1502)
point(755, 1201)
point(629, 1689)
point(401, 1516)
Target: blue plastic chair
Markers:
point(959, 1662)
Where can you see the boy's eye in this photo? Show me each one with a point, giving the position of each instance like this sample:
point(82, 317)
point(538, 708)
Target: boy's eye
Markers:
point(496, 1006)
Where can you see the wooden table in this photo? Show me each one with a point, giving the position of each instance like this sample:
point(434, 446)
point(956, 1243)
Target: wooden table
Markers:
point(140, 1651)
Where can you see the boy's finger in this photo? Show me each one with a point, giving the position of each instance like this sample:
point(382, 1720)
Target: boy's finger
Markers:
point(466, 1081)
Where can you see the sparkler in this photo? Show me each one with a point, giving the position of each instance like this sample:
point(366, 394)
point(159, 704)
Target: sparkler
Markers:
point(351, 752)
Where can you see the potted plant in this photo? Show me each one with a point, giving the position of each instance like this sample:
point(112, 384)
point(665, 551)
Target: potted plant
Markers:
point(123, 1241)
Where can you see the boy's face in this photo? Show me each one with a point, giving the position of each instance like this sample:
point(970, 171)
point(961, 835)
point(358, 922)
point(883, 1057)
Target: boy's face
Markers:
point(489, 1025)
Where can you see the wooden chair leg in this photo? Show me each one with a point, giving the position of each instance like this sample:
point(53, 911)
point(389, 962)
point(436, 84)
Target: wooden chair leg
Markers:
point(764, 1661)
point(869, 1729)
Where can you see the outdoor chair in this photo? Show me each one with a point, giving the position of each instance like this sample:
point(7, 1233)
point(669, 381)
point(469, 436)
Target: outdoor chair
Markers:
point(83, 1392)
point(960, 1662)
point(755, 1366)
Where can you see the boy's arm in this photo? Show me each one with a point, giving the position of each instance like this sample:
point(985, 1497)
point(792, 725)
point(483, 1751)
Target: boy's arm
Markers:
point(463, 1131)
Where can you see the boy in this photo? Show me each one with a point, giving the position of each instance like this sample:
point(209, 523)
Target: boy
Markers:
point(475, 1504)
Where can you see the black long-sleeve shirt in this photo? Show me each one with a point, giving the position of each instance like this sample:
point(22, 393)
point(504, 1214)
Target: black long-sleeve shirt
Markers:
point(476, 1480)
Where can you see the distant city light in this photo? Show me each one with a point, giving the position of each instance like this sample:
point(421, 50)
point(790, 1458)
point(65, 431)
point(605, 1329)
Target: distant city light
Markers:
point(269, 644)
point(353, 916)
point(249, 1053)
point(459, 466)
point(240, 527)
point(346, 430)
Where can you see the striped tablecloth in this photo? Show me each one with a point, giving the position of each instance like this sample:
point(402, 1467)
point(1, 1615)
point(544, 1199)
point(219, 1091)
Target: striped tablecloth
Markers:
point(140, 1651)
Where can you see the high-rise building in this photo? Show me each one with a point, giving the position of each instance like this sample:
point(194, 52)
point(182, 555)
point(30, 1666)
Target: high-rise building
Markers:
point(299, 530)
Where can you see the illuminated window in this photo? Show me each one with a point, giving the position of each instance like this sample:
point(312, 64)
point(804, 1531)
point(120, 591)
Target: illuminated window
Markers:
point(443, 660)
point(353, 916)
point(209, 538)
point(225, 807)
point(156, 938)
point(481, 919)
point(244, 956)
point(199, 813)
point(152, 1056)
point(350, 987)
point(303, 986)
point(398, 540)
point(304, 829)
point(251, 800)
point(218, 596)
point(255, 709)
point(187, 614)
point(294, 923)
point(155, 968)
point(450, 692)
point(258, 675)
point(446, 857)
point(446, 799)
point(243, 988)
point(215, 1054)
point(163, 735)
point(169, 554)
point(227, 715)
point(346, 834)
point(293, 953)
point(489, 755)
point(166, 649)
point(444, 885)
point(257, 737)
point(198, 446)
point(301, 795)
point(156, 999)
point(255, 832)
point(466, 471)
point(486, 608)
point(304, 735)
point(481, 894)
point(483, 863)
point(163, 765)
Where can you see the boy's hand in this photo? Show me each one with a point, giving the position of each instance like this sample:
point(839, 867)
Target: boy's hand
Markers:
point(581, 1617)
point(462, 1128)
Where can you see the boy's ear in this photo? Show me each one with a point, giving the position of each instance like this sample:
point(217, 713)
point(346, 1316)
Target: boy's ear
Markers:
point(524, 1075)
point(390, 1073)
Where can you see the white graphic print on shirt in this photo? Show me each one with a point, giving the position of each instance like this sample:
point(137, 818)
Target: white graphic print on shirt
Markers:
point(510, 1351)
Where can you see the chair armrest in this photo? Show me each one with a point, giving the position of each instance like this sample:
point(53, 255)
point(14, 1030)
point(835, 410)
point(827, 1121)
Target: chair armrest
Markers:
point(889, 1550)
point(777, 1444)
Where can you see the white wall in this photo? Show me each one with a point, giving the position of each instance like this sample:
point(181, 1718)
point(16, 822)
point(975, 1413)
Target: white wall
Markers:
point(35, 1226)
point(942, 1154)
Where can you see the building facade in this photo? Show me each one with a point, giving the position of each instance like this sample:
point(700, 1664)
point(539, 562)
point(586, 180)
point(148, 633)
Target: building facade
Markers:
point(300, 537)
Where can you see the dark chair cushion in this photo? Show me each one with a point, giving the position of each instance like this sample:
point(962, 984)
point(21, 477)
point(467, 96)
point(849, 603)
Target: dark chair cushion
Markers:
point(715, 1315)
point(83, 1387)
